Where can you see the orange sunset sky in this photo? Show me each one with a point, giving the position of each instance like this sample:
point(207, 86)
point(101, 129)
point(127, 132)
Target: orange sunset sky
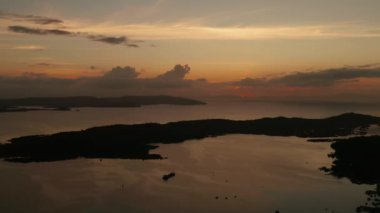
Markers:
point(265, 50)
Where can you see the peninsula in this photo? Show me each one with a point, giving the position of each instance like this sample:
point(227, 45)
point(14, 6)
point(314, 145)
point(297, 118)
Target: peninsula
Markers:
point(135, 141)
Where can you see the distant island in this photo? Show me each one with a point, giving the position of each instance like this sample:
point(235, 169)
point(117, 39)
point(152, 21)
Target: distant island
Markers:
point(66, 103)
point(135, 141)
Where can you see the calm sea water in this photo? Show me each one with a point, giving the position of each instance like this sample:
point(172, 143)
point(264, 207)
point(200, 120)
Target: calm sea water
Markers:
point(246, 173)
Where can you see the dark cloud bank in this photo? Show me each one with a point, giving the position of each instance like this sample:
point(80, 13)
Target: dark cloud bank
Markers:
point(117, 81)
point(126, 81)
point(321, 78)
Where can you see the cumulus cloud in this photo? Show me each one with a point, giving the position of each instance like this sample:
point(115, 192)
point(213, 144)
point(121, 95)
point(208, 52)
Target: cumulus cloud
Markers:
point(174, 78)
point(177, 73)
point(127, 77)
point(117, 81)
point(121, 73)
point(117, 78)
point(323, 85)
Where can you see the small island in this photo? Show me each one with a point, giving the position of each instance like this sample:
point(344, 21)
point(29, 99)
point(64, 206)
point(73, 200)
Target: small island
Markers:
point(66, 103)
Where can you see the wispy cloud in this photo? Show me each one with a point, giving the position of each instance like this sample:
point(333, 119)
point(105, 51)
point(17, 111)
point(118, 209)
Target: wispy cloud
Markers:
point(121, 40)
point(194, 31)
point(30, 18)
point(29, 47)
point(59, 29)
point(159, 31)
point(112, 40)
point(38, 31)
point(42, 64)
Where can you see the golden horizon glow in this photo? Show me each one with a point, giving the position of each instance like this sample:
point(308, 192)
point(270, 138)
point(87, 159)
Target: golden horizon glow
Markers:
point(195, 31)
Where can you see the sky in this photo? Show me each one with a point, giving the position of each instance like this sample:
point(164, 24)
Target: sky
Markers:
point(324, 50)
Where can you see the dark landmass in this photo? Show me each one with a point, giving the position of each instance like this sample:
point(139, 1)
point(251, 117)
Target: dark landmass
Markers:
point(60, 103)
point(26, 109)
point(357, 159)
point(134, 141)
point(321, 140)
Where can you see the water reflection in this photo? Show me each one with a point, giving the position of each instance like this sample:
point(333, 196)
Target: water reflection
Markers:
point(264, 173)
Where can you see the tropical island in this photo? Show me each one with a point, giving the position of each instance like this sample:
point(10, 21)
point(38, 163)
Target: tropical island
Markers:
point(135, 141)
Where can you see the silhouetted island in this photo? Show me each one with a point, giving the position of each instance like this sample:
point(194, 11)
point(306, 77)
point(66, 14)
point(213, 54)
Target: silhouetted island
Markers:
point(65, 103)
point(135, 141)
point(357, 159)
